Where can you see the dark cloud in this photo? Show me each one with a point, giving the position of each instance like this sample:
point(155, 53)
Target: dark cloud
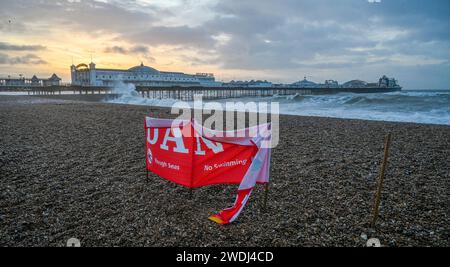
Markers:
point(86, 15)
point(264, 35)
point(198, 37)
point(28, 59)
point(116, 50)
point(14, 47)
point(140, 50)
point(271, 35)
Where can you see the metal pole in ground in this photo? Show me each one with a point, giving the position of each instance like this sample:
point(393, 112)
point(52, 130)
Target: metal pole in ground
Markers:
point(376, 208)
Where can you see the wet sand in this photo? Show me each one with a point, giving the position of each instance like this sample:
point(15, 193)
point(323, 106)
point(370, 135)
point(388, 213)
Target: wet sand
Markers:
point(77, 169)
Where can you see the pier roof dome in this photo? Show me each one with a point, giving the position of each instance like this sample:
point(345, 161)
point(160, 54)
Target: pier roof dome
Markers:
point(355, 83)
point(305, 83)
point(142, 68)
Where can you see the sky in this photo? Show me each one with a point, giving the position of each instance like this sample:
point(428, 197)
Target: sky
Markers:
point(278, 40)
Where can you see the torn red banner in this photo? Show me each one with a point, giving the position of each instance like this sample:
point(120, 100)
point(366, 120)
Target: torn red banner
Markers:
point(187, 154)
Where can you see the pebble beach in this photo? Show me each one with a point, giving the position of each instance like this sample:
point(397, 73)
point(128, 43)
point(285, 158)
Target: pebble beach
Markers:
point(74, 167)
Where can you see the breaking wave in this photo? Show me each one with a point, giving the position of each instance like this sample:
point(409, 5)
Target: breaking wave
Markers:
point(430, 107)
point(427, 106)
point(127, 94)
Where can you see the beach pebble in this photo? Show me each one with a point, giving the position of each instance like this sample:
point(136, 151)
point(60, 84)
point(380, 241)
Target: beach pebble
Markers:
point(77, 170)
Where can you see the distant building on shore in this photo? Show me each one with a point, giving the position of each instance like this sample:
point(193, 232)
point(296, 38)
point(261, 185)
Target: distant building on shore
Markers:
point(89, 75)
point(21, 81)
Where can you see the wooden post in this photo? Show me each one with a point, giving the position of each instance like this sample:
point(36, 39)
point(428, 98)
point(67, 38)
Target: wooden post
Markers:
point(266, 193)
point(376, 208)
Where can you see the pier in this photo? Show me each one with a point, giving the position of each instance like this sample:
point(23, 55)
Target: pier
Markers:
point(58, 90)
point(188, 93)
point(179, 93)
point(213, 93)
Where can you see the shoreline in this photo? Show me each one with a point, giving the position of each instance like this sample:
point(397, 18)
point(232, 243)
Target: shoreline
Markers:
point(101, 98)
point(77, 169)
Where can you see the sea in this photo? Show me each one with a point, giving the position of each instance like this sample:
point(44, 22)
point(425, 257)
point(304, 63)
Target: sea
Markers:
point(417, 106)
point(424, 106)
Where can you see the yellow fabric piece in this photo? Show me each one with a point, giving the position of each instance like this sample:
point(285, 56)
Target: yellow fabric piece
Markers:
point(216, 219)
